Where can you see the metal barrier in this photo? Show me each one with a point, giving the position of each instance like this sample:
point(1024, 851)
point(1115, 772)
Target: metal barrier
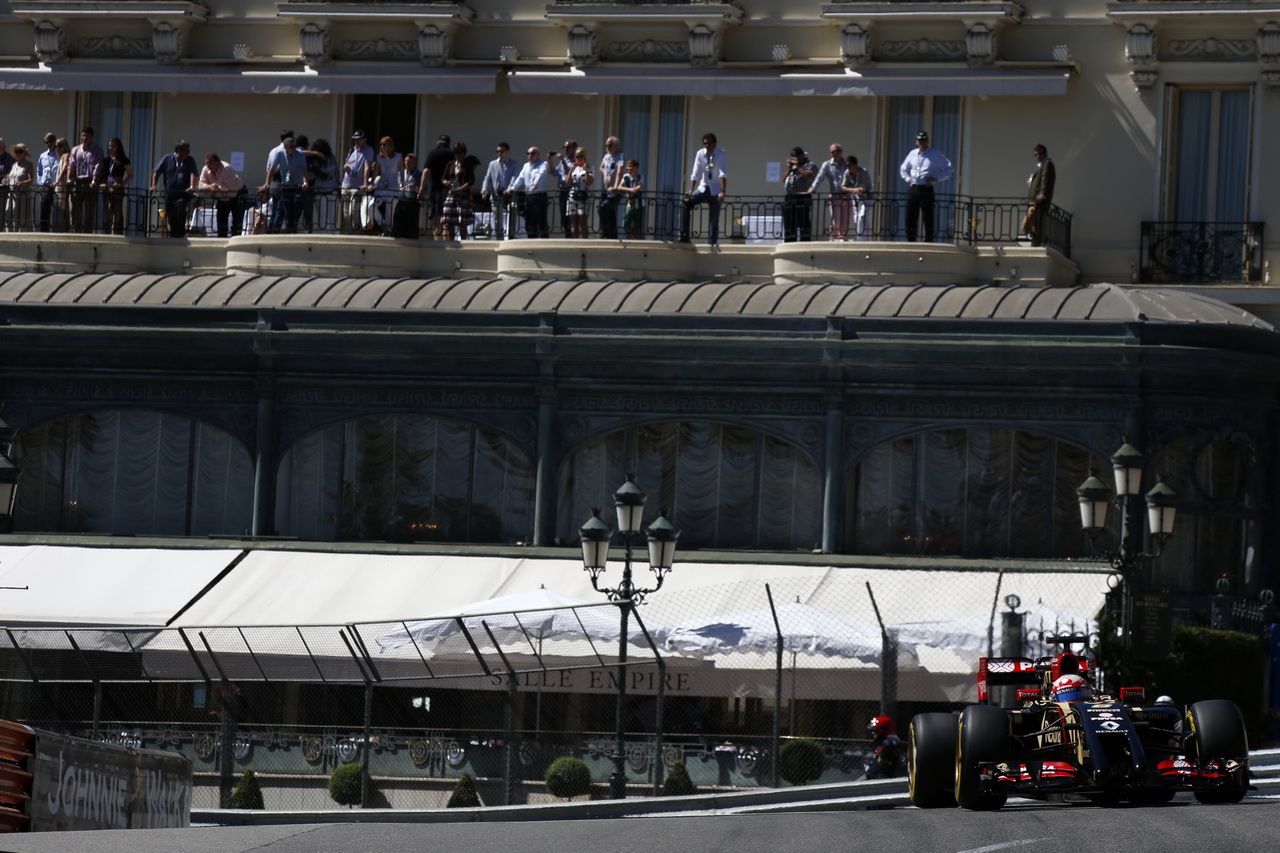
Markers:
point(135, 212)
point(1173, 252)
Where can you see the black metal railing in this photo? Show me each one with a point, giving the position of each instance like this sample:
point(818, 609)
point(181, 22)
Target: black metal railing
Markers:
point(135, 212)
point(1173, 252)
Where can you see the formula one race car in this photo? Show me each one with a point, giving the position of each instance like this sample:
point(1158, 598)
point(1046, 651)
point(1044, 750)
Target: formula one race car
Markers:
point(1064, 739)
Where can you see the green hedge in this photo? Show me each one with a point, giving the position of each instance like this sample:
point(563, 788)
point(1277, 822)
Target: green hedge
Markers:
point(1203, 663)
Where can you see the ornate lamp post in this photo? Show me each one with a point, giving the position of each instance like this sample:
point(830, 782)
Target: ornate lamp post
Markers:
point(9, 475)
point(1128, 559)
point(596, 537)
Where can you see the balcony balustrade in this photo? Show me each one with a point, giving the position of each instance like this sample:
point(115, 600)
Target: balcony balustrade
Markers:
point(1199, 252)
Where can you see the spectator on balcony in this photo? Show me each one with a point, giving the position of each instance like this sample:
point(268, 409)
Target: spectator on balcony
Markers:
point(437, 160)
point(20, 181)
point(225, 186)
point(179, 173)
point(631, 184)
point(1039, 194)
point(46, 179)
point(386, 172)
point(923, 167)
point(501, 173)
point(832, 172)
point(84, 176)
point(404, 222)
point(562, 163)
point(62, 186)
point(707, 184)
point(459, 178)
point(611, 171)
point(536, 179)
point(797, 206)
point(119, 174)
point(277, 210)
point(856, 186)
point(580, 176)
point(322, 165)
point(356, 170)
point(290, 165)
point(6, 163)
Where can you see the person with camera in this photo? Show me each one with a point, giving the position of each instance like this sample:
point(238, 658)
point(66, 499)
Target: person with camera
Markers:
point(579, 177)
point(797, 206)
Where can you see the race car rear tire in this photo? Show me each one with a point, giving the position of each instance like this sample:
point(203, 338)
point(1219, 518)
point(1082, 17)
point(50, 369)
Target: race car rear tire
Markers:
point(1217, 733)
point(983, 739)
point(930, 756)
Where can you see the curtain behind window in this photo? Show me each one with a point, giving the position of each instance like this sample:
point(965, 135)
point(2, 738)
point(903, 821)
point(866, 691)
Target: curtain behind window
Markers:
point(405, 478)
point(726, 486)
point(133, 472)
point(981, 492)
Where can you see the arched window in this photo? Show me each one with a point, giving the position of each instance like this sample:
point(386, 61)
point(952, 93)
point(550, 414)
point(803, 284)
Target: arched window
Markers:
point(133, 472)
point(976, 492)
point(726, 486)
point(1216, 533)
point(405, 478)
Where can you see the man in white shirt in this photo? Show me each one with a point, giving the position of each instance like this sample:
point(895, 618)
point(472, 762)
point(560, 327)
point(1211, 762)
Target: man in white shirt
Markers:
point(536, 179)
point(707, 184)
point(497, 178)
point(923, 168)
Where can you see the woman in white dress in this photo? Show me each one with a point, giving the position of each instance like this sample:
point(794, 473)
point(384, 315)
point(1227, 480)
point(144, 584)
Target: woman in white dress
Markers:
point(386, 169)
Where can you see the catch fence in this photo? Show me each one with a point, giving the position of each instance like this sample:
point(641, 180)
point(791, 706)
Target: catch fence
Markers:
point(718, 677)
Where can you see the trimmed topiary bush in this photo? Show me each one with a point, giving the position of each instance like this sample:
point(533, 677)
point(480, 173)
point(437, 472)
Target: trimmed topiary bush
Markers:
point(801, 760)
point(568, 777)
point(678, 783)
point(344, 784)
point(248, 794)
point(464, 794)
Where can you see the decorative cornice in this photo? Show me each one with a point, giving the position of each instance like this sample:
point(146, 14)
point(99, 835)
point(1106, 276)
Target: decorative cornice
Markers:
point(648, 50)
point(1212, 49)
point(922, 49)
point(855, 46)
point(705, 22)
point(170, 22)
point(966, 11)
point(982, 23)
point(436, 24)
point(1140, 53)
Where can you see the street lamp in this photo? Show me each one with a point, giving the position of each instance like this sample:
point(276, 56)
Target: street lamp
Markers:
point(9, 474)
point(1128, 558)
point(596, 536)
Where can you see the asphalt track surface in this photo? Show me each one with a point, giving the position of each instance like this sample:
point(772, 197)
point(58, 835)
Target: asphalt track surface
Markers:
point(1253, 825)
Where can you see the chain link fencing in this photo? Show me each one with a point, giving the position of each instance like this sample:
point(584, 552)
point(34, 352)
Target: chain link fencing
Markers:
point(719, 677)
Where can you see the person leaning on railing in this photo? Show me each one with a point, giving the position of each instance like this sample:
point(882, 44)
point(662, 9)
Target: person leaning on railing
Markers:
point(225, 186)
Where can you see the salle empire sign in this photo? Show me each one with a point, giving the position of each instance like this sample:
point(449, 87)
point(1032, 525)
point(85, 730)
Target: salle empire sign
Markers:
point(642, 681)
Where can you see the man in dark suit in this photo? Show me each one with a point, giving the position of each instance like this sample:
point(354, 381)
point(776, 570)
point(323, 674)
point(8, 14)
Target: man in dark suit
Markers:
point(1039, 194)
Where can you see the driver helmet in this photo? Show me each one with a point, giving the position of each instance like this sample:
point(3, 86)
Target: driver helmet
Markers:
point(880, 727)
point(1069, 688)
point(1164, 700)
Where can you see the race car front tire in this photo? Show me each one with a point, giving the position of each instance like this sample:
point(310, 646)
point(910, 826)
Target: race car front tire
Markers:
point(983, 739)
point(931, 751)
point(1217, 734)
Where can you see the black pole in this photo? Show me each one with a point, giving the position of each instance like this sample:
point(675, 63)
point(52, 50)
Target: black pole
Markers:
point(618, 781)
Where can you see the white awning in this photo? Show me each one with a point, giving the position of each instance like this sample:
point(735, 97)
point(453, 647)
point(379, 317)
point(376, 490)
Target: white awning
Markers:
point(867, 83)
point(103, 586)
point(77, 77)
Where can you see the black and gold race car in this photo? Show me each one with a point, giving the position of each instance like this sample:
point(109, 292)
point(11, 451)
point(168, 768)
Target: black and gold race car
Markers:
point(1064, 739)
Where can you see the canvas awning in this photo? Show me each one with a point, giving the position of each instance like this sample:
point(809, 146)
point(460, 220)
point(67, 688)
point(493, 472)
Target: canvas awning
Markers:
point(103, 586)
point(722, 82)
point(262, 80)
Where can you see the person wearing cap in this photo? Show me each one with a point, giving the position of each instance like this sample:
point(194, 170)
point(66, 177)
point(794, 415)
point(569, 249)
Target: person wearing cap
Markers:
point(356, 170)
point(797, 206)
point(924, 167)
point(180, 174)
point(1039, 194)
point(433, 169)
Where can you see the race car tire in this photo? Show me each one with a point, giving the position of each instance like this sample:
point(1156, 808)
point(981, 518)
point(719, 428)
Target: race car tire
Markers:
point(930, 753)
point(983, 738)
point(1217, 732)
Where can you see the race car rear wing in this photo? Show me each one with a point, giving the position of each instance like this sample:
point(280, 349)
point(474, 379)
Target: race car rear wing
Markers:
point(994, 671)
point(1024, 672)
